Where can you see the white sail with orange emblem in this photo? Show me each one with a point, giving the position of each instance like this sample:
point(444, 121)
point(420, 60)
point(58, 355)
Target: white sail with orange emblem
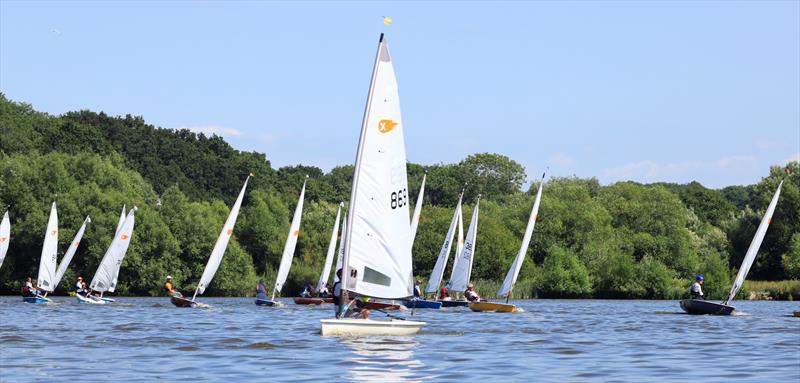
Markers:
point(47, 263)
point(112, 259)
point(5, 237)
point(116, 271)
point(221, 244)
point(291, 243)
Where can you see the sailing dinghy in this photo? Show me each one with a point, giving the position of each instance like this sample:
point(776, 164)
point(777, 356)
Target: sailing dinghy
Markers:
point(216, 255)
point(47, 262)
point(104, 279)
point(288, 252)
point(421, 302)
point(377, 257)
point(5, 237)
point(511, 278)
point(326, 269)
point(699, 306)
point(462, 265)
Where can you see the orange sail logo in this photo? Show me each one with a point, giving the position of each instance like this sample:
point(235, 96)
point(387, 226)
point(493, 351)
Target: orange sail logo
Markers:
point(386, 126)
point(230, 231)
point(124, 237)
point(296, 233)
point(53, 232)
point(3, 239)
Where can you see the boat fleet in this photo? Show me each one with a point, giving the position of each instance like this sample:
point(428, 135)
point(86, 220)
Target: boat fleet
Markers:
point(374, 251)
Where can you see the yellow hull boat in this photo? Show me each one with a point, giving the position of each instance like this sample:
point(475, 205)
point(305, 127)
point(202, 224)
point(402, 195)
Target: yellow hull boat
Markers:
point(494, 307)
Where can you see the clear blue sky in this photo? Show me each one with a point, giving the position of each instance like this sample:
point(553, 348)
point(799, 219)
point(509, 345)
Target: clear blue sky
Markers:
point(646, 91)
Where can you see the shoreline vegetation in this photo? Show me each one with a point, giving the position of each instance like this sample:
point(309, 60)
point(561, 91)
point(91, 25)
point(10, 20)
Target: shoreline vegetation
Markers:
point(623, 240)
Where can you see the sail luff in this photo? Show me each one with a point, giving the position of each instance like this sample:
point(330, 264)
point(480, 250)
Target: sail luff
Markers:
point(5, 237)
point(441, 262)
point(750, 256)
point(340, 251)
point(222, 242)
point(73, 247)
point(291, 243)
point(121, 219)
point(326, 269)
point(112, 259)
point(417, 210)
point(47, 262)
point(463, 269)
point(513, 272)
point(115, 275)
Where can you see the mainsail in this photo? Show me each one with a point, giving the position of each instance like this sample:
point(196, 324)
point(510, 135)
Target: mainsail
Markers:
point(513, 272)
point(47, 263)
point(291, 243)
point(377, 260)
point(222, 243)
point(417, 210)
point(117, 267)
point(73, 247)
point(326, 270)
point(462, 269)
point(438, 270)
point(340, 252)
point(5, 237)
point(750, 256)
point(112, 259)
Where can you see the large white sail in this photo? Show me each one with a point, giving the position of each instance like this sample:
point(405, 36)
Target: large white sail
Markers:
point(438, 270)
point(513, 272)
point(326, 269)
point(222, 243)
point(47, 263)
point(5, 237)
point(117, 268)
point(750, 256)
point(340, 252)
point(462, 271)
point(460, 243)
point(121, 219)
point(377, 259)
point(73, 247)
point(112, 259)
point(417, 210)
point(291, 243)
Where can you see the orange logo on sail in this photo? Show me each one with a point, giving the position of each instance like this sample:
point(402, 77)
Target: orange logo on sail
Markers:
point(3, 239)
point(386, 126)
point(53, 232)
point(296, 233)
point(123, 237)
point(230, 231)
point(77, 244)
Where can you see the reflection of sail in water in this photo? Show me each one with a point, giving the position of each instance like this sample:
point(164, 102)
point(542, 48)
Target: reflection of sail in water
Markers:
point(384, 360)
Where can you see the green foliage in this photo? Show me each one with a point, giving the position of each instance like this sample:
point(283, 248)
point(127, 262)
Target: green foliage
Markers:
point(791, 260)
point(563, 275)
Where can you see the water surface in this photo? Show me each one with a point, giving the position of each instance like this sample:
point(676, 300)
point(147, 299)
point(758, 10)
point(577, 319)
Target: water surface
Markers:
point(553, 340)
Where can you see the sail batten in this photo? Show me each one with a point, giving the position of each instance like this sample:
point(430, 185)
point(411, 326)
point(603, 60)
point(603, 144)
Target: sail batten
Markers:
point(222, 242)
point(462, 269)
point(47, 262)
point(112, 259)
point(513, 272)
point(291, 243)
point(750, 256)
point(326, 270)
point(5, 237)
point(73, 247)
point(441, 262)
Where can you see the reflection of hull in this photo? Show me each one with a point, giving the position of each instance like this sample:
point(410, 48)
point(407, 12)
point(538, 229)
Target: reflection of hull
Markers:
point(36, 299)
point(493, 307)
point(369, 327)
point(422, 304)
point(91, 300)
point(701, 307)
point(268, 303)
point(455, 303)
point(309, 301)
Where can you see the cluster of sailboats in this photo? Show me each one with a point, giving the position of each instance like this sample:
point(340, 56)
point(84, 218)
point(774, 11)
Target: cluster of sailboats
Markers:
point(374, 248)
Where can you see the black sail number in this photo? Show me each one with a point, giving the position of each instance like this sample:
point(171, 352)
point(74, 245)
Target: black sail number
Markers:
point(399, 199)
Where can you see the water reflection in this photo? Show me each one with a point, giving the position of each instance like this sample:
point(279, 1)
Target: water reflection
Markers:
point(383, 360)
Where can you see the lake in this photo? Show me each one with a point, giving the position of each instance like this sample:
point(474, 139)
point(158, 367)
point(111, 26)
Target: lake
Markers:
point(553, 340)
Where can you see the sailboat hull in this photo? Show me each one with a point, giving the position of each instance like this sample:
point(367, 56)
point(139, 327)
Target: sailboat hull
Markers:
point(36, 299)
point(369, 327)
point(268, 303)
point(701, 307)
point(455, 303)
point(90, 300)
point(383, 306)
point(797, 314)
point(309, 301)
point(182, 302)
point(493, 307)
point(422, 304)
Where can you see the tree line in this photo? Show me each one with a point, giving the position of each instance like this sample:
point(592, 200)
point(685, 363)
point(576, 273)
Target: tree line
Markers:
point(624, 240)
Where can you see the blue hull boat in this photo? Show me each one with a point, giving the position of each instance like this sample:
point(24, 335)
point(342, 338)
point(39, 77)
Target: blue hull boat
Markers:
point(422, 304)
point(36, 299)
point(265, 302)
point(455, 303)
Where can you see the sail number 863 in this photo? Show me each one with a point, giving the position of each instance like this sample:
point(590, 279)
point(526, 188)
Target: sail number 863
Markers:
point(399, 199)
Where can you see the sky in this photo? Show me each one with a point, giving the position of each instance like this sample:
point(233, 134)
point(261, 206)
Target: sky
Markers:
point(646, 91)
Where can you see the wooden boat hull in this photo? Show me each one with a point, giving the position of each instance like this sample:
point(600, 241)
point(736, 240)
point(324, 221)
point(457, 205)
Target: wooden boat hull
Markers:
point(422, 304)
point(383, 306)
point(701, 307)
point(327, 300)
point(493, 307)
point(309, 301)
point(369, 327)
point(182, 302)
point(455, 303)
point(36, 299)
point(91, 300)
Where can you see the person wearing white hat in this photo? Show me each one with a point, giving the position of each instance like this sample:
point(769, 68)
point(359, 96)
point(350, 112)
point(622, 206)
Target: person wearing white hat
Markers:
point(169, 288)
point(471, 295)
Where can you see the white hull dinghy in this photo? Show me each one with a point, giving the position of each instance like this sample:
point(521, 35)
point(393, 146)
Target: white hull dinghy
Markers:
point(369, 327)
point(91, 299)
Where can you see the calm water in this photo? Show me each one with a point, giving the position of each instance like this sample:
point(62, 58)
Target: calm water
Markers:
point(554, 340)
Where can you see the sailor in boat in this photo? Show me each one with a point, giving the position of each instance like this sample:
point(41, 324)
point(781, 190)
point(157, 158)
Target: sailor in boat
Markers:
point(170, 289)
point(443, 293)
point(471, 295)
point(306, 293)
point(417, 289)
point(696, 291)
point(325, 292)
point(80, 287)
point(261, 290)
point(337, 292)
point(28, 290)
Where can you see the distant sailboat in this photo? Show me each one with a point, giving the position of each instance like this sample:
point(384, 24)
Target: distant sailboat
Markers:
point(435, 280)
point(326, 269)
point(421, 302)
point(104, 276)
point(5, 237)
point(462, 264)
point(47, 261)
point(513, 272)
point(699, 306)
point(73, 247)
point(288, 251)
point(216, 254)
point(117, 267)
point(377, 258)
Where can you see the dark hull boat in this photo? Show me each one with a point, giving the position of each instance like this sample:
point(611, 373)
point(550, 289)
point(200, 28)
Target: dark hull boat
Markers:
point(309, 301)
point(455, 303)
point(701, 307)
point(182, 302)
point(266, 302)
point(422, 304)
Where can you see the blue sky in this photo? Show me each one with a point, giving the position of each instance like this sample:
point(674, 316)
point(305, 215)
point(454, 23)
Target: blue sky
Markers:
point(646, 91)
